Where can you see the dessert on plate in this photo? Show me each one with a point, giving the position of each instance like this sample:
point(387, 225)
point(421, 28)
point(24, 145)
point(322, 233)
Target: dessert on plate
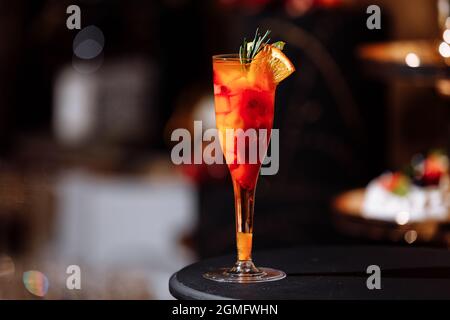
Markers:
point(421, 192)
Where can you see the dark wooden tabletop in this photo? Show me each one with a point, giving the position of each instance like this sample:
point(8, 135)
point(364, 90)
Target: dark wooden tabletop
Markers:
point(328, 273)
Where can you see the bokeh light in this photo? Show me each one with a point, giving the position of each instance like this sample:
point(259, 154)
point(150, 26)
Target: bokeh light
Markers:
point(410, 236)
point(88, 43)
point(446, 36)
point(36, 283)
point(444, 50)
point(412, 60)
point(402, 218)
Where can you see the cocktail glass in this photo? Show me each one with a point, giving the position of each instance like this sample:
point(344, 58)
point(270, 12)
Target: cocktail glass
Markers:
point(244, 96)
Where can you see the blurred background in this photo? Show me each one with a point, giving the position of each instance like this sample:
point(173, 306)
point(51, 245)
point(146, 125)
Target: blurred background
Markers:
point(86, 117)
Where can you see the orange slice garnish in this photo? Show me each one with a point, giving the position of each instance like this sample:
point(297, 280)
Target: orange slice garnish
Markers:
point(273, 60)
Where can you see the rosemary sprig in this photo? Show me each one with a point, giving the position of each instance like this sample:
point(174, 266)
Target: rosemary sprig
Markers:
point(249, 50)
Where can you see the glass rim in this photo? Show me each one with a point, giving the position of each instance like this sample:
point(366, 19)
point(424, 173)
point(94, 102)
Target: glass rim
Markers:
point(228, 57)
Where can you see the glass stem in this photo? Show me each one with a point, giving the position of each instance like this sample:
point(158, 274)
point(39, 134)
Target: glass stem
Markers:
point(244, 200)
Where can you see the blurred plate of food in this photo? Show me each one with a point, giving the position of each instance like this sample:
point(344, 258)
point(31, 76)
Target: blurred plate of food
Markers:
point(408, 205)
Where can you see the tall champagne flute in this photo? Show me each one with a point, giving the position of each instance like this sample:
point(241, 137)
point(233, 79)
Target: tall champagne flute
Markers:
point(244, 95)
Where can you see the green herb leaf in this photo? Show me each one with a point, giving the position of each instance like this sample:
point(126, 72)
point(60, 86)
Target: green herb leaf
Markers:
point(279, 44)
point(249, 50)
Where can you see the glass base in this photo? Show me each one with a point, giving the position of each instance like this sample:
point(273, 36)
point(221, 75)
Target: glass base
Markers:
point(245, 272)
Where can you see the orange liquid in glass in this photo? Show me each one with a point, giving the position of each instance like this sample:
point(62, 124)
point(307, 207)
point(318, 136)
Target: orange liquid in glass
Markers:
point(244, 99)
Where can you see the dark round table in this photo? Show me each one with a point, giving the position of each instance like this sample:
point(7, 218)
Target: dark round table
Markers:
point(327, 273)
